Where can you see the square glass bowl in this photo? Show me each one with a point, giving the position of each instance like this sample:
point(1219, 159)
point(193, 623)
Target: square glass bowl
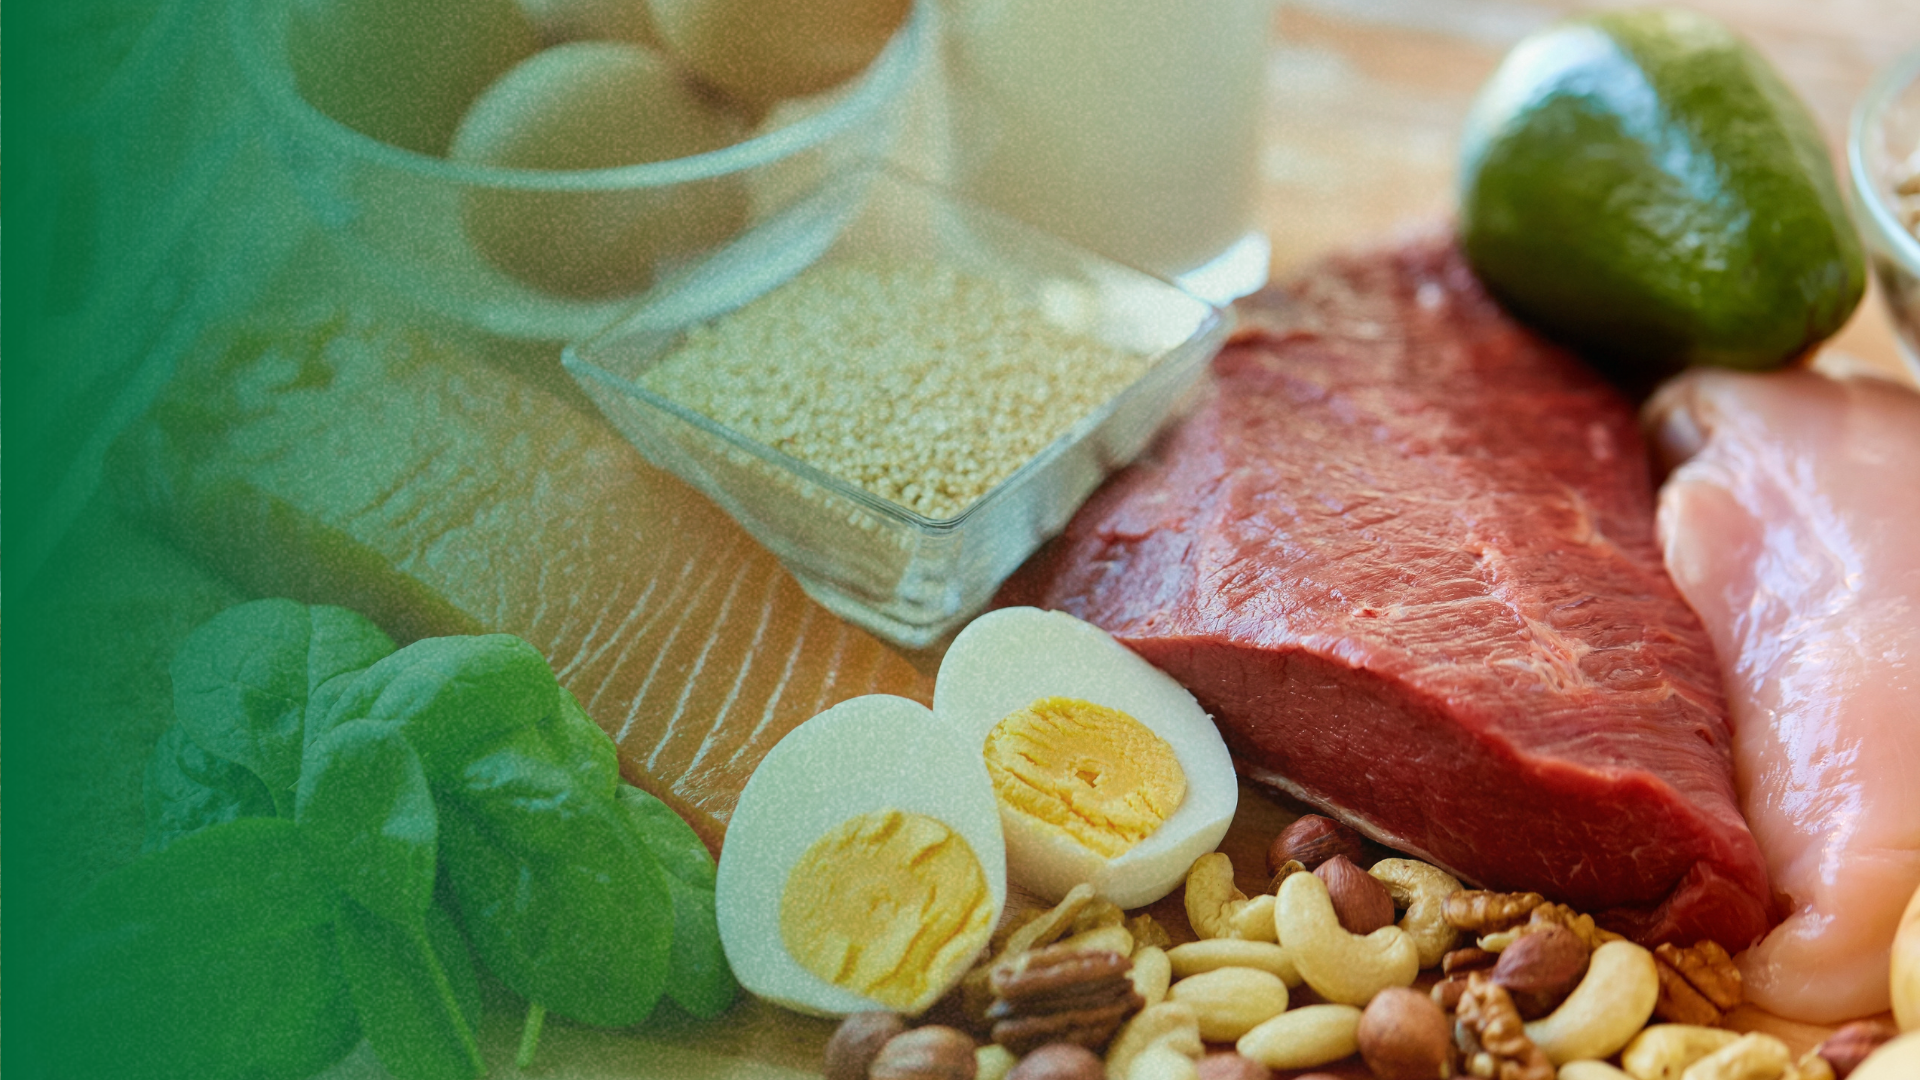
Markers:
point(1885, 135)
point(908, 578)
point(417, 223)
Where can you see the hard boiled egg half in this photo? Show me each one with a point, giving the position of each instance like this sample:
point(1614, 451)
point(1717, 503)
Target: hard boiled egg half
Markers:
point(863, 866)
point(1104, 769)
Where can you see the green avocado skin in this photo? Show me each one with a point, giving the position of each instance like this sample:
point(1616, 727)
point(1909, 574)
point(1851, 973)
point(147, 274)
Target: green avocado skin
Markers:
point(1641, 185)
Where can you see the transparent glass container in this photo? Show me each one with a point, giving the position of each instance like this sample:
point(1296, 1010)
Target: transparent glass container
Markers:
point(908, 578)
point(1885, 133)
point(397, 215)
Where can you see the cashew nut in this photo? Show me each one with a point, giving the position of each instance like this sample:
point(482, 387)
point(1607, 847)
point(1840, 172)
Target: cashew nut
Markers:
point(1612, 1002)
point(1341, 967)
point(993, 1062)
point(1231, 1001)
point(1894, 1060)
point(1906, 967)
point(1217, 909)
point(1113, 938)
point(1047, 927)
point(1197, 956)
point(1162, 1062)
point(1304, 1037)
point(1588, 1069)
point(1169, 1022)
point(1422, 890)
point(1151, 974)
point(1811, 1066)
point(1663, 1051)
point(1754, 1056)
point(1146, 931)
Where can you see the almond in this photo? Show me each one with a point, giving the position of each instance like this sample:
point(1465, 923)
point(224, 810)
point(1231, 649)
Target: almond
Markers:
point(1847, 1048)
point(1361, 902)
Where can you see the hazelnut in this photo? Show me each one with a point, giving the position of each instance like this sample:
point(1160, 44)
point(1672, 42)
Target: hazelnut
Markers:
point(1404, 1036)
point(1231, 1067)
point(934, 1052)
point(1846, 1048)
point(857, 1040)
point(1059, 1061)
point(1540, 969)
point(1361, 902)
point(1312, 840)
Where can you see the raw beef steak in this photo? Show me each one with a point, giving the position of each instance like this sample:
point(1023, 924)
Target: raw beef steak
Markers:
point(1405, 556)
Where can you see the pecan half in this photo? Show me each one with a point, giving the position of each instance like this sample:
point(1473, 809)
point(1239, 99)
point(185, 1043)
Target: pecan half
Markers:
point(1478, 911)
point(1060, 994)
point(1491, 1036)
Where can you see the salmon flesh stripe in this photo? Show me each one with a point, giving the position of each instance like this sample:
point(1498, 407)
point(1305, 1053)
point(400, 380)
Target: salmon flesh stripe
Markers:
point(339, 457)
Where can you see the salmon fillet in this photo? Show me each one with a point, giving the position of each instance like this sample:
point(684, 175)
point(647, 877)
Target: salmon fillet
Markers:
point(1789, 525)
point(341, 456)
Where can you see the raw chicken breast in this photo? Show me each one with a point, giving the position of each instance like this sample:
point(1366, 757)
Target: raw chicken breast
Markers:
point(1792, 525)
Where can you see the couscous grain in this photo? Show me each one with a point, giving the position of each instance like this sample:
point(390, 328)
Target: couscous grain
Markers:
point(915, 381)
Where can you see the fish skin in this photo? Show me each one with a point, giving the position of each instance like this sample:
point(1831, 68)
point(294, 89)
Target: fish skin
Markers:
point(1790, 525)
point(338, 455)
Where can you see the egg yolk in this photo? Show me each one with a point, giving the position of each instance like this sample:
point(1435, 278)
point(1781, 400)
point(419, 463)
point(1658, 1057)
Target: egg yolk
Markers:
point(1094, 773)
point(890, 905)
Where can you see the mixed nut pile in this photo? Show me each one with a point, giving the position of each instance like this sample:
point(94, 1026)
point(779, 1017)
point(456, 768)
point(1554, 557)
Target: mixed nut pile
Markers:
point(1518, 988)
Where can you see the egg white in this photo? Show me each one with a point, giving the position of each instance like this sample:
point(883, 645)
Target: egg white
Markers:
point(1005, 660)
point(866, 754)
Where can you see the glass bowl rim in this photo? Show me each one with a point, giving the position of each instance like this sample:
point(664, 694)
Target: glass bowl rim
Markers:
point(1867, 117)
point(884, 80)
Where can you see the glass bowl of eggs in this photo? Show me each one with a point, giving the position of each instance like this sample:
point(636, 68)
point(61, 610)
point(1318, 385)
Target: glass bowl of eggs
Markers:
point(529, 167)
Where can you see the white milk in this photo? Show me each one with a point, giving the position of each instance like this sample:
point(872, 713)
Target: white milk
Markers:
point(1129, 126)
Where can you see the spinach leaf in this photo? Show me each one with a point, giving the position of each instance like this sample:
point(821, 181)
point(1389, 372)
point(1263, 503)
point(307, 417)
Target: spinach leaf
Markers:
point(577, 739)
point(454, 697)
point(243, 679)
point(698, 978)
point(368, 816)
point(415, 992)
point(210, 960)
point(188, 789)
point(558, 895)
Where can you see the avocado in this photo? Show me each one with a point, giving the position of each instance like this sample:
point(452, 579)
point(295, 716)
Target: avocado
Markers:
point(1641, 185)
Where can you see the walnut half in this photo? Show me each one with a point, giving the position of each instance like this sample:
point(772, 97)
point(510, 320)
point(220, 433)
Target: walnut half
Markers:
point(1492, 1038)
point(1698, 984)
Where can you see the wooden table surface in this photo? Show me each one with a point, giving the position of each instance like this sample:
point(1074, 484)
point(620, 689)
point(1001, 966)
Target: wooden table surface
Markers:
point(1364, 102)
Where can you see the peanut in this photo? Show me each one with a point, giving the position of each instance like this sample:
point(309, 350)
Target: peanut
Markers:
point(1231, 1001)
point(1303, 1038)
point(1197, 956)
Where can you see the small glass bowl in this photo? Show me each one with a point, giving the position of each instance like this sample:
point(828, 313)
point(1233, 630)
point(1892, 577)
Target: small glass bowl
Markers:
point(397, 215)
point(1885, 131)
point(908, 578)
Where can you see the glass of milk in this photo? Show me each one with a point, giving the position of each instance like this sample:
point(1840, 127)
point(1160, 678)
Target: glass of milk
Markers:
point(1130, 127)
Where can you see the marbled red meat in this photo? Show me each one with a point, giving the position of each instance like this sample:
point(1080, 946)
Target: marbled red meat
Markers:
point(1405, 555)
